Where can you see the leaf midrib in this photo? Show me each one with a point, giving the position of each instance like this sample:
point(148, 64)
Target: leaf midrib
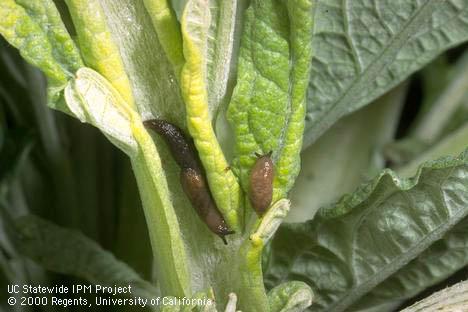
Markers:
point(395, 265)
point(332, 112)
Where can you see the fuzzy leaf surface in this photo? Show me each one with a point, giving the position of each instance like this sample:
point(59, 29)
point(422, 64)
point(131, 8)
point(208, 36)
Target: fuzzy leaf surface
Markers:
point(351, 247)
point(35, 28)
point(267, 107)
point(364, 48)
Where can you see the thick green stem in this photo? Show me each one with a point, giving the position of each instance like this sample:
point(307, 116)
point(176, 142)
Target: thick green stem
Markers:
point(172, 265)
point(102, 105)
point(251, 290)
point(253, 295)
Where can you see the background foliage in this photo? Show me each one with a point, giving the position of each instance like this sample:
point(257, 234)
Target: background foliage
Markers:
point(393, 235)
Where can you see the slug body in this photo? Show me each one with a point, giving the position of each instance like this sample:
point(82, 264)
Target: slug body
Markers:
point(181, 148)
point(192, 177)
point(261, 184)
point(194, 186)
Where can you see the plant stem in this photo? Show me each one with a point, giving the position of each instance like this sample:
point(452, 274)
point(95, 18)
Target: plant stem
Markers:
point(172, 265)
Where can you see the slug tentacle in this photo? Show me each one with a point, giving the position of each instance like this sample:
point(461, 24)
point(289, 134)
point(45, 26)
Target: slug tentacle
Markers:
point(192, 177)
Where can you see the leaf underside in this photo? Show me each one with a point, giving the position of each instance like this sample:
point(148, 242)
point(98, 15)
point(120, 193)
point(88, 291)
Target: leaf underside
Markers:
point(365, 48)
point(350, 248)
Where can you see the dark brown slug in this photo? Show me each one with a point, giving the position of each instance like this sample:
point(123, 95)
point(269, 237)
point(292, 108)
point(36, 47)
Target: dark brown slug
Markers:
point(195, 187)
point(261, 184)
point(192, 176)
point(182, 148)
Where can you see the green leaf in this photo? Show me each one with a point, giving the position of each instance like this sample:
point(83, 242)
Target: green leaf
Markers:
point(220, 57)
point(70, 252)
point(48, 166)
point(46, 15)
point(170, 308)
point(211, 28)
point(202, 66)
point(434, 265)
point(364, 48)
point(290, 297)
point(267, 107)
point(168, 30)
point(345, 156)
point(288, 165)
point(97, 46)
point(351, 247)
point(36, 29)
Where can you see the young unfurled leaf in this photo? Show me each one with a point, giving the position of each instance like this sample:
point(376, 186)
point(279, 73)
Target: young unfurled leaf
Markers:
point(351, 247)
point(267, 108)
point(270, 222)
point(207, 64)
point(290, 297)
point(364, 48)
point(92, 98)
point(216, 40)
